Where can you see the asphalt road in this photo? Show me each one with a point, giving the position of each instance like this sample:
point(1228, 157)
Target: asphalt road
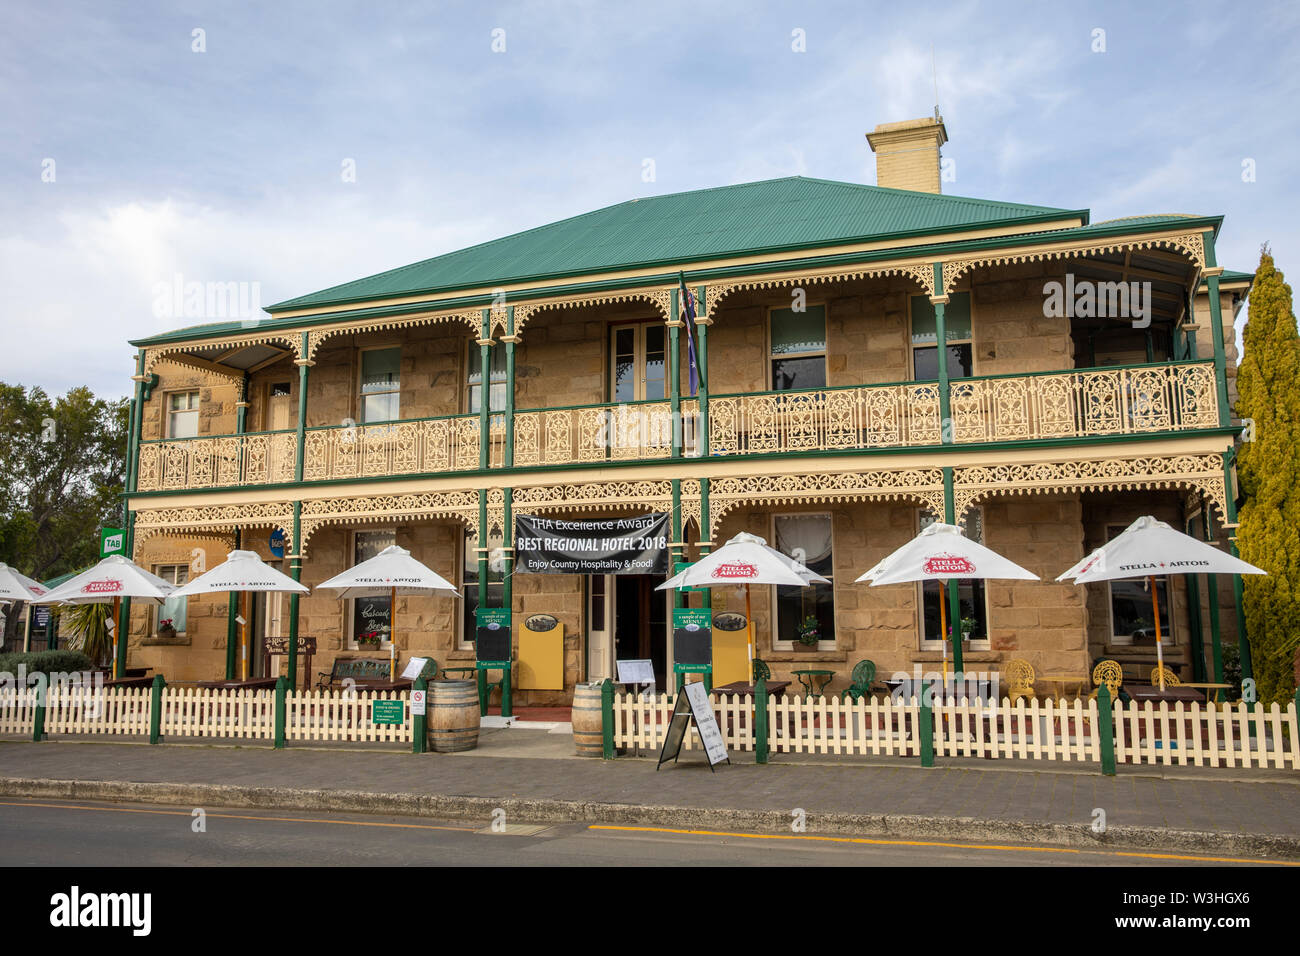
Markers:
point(77, 834)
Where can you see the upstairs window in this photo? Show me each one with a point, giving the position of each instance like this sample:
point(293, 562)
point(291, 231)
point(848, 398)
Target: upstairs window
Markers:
point(381, 385)
point(182, 414)
point(798, 349)
point(497, 379)
point(925, 338)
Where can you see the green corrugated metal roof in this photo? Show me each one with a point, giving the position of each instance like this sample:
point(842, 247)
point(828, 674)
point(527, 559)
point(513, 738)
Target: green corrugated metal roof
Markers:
point(795, 212)
point(1231, 275)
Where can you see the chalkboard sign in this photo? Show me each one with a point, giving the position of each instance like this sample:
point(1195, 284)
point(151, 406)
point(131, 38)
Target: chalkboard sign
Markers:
point(692, 639)
point(693, 705)
point(492, 640)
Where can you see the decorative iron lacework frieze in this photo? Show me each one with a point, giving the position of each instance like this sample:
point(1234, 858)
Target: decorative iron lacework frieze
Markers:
point(198, 520)
point(921, 272)
point(370, 509)
point(1203, 473)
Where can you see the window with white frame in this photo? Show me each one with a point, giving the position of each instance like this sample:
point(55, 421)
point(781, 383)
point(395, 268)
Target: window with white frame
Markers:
point(798, 344)
point(925, 338)
point(381, 385)
point(371, 616)
point(183, 414)
point(808, 538)
point(972, 595)
point(1132, 619)
point(172, 609)
point(497, 378)
point(469, 586)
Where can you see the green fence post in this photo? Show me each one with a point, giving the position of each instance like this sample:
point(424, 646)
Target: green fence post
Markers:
point(926, 730)
point(155, 709)
point(1106, 730)
point(760, 721)
point(280, 686)
point(419, 730)
point(38, 714)
point(607, 717)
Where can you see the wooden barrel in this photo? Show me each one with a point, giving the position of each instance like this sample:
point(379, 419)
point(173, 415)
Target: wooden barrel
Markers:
point(453, 715)
point(587, 737)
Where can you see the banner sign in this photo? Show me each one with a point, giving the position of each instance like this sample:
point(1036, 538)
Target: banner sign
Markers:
point(111, 541)
point(635, 545)
point(492, 642)
point(692, 639)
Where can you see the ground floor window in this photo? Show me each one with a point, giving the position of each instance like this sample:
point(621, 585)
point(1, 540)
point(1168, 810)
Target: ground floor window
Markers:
point(808, 539)
point(172, 609)
point(469, 585)
point(371, 616)
point(972, 594)
point(1132, 620)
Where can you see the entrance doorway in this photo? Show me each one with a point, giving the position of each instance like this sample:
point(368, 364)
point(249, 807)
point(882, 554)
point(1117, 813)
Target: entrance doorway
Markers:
point(640, 616)
point(267, 612)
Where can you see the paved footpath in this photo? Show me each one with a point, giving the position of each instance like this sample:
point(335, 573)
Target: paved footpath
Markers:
point(534, 777)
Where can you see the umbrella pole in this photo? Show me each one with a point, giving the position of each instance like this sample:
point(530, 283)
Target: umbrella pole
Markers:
point(243, 636)
point(1160, 654)
point(117, 635)
point(943, 628)
point(749, 637)
point(392, 634)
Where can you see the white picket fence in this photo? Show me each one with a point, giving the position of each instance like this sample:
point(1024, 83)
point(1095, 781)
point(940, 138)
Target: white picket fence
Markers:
point(206, 713)
point(1202, 735)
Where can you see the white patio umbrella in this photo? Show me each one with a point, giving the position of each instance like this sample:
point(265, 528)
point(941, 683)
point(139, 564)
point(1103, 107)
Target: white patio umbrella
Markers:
point(745, 559)
point(244, 572)
point(392, 571)
point(942, 553)
point(1147, 548)
point(112, 579)
point(15, 586)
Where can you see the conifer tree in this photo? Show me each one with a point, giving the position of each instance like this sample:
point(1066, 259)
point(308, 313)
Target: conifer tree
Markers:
point(1268, 468)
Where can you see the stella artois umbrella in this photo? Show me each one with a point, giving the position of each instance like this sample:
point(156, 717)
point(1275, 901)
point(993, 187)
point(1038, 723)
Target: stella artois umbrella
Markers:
point(1147, 548)
point(112, 579)
point(242, 571)
point(745, 559)
point(392, 571)
point(15, 586)
point(941, 553)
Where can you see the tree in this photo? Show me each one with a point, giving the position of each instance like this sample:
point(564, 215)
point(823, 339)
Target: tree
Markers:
point(1268, 467)
point(64, 464)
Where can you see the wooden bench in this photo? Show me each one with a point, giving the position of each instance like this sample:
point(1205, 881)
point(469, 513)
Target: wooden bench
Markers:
point(360, 670)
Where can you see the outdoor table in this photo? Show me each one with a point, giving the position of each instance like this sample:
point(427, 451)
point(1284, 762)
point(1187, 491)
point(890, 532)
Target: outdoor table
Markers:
point(1060, 680)
point(774, 688)
point(810, 677)
point(135, 681)
point(1207, 687)
point(256, 683)
point(1171, 693)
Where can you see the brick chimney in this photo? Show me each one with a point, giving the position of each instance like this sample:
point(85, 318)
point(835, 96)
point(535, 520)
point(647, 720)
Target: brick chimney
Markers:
point(907, 153)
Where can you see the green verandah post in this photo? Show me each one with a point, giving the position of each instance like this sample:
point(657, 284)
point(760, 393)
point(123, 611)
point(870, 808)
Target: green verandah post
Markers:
point(155, 709)
point(607, 718)
point(1106, 730)
point(925, 728)
point(419, 721)
point(760, 721)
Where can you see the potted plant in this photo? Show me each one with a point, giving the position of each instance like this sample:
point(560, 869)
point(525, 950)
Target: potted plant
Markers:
point(809, 633)
point(166, 630)
point(967, 628)
point(368, 639)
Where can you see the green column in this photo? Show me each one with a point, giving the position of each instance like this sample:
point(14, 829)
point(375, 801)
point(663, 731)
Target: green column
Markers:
point(1230, 494)
point(1212, 590)
point(939, 300)
point(510, 339)
point(674, 546)
point(1192, 354)
point(419, 730)
point(1106, 730)
point(706, 533)
point(1216, 333)
point(1194, 620)
point(760, 721)
point(481, 548)
point(953, 593)
point(508, 546)
point(295, 571)
point(702, 361)
point(136, 426)
point(485, 394)
point(124, 612)
point(674, 373)
point(607, 719)
point(303, 364)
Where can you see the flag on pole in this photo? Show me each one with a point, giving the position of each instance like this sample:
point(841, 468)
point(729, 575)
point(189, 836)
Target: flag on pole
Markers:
point(688, 306)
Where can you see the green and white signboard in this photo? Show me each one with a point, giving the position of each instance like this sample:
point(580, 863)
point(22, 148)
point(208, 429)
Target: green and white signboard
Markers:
point(111, 541)
point(387, 712)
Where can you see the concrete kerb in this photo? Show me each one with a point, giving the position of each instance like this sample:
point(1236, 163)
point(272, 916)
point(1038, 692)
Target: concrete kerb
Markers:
point(868, 826)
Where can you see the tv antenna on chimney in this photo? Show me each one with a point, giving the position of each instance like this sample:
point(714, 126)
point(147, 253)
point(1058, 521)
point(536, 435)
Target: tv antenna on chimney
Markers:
point(935, 70)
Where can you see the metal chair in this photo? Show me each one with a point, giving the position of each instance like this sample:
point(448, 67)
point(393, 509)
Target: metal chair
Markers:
point(761, 670)
point(1021, 674)
point(863, 676)
point(1171, 679)
point(1109, 673)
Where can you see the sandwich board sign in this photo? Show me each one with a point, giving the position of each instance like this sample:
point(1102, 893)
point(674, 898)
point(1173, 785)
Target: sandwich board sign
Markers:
point(693, 705)
point(111, 541)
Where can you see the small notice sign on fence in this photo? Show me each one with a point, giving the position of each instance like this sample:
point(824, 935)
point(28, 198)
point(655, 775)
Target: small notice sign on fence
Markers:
point(388, 712)
point(418, 704)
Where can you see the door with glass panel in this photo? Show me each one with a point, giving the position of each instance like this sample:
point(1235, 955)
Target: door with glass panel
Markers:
point(639, 422)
